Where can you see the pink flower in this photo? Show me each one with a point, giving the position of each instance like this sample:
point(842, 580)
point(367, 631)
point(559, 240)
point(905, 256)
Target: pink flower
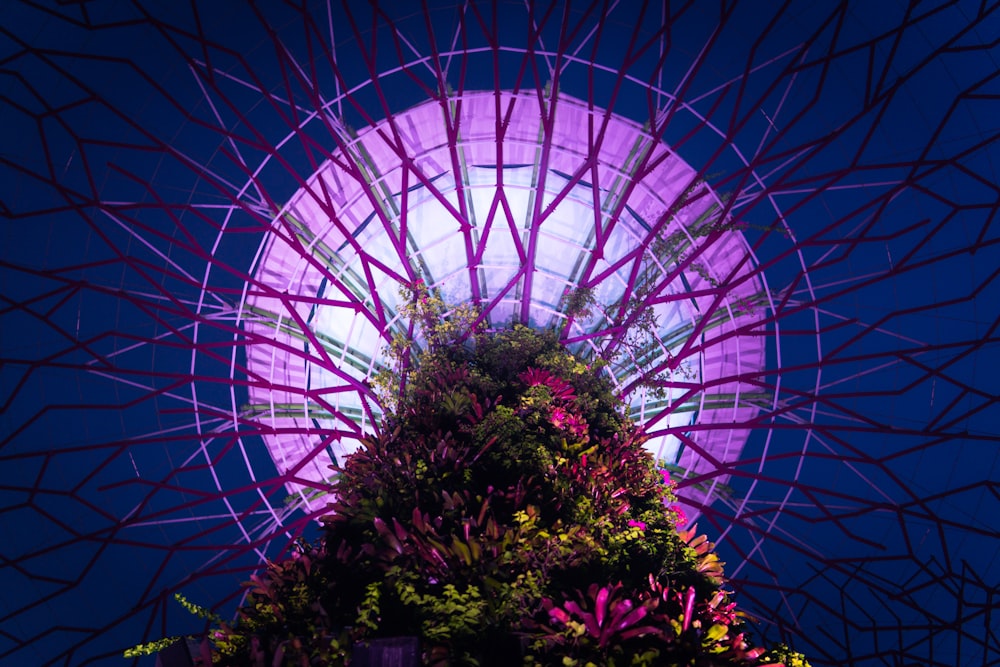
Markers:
point(534, 377)
point(558, 417)
point(636, 524)
point(681, 516)
point(560, 389)
point(577, 426)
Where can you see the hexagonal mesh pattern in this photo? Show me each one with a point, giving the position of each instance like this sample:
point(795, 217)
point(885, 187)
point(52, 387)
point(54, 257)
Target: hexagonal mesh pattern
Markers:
point(209, 212)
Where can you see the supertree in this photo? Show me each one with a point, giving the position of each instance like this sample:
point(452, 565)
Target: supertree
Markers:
point(774, 220)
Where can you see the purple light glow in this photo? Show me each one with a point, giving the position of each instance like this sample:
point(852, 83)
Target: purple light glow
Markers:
point(622, 216)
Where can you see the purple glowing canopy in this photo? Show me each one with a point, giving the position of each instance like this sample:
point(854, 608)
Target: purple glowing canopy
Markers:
point(512, 229)
point(209, 210)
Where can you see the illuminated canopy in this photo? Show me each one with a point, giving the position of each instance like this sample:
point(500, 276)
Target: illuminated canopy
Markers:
point(512, 206)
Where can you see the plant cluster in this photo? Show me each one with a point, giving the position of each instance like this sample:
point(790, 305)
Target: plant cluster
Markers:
point(506, 514)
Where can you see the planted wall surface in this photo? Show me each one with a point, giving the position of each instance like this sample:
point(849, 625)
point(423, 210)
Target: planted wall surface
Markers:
point(507, 514)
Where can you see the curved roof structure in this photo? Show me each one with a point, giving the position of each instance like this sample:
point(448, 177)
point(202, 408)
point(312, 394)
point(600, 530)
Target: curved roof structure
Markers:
point(784, 220)
point(514, 227)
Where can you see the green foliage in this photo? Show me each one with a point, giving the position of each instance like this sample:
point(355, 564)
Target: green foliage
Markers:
point(448, 616)
point(150, 648)
point(507, 502)
point(284, 621)
point(783, 656)
point(443, 329)
point(196, 609)
point(578, 302)
point(368, 612)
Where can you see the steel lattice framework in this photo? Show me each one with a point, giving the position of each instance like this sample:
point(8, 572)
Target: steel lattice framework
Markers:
point(782, 216)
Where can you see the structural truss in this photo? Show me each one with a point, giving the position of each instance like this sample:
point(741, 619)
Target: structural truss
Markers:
point(775, 221)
